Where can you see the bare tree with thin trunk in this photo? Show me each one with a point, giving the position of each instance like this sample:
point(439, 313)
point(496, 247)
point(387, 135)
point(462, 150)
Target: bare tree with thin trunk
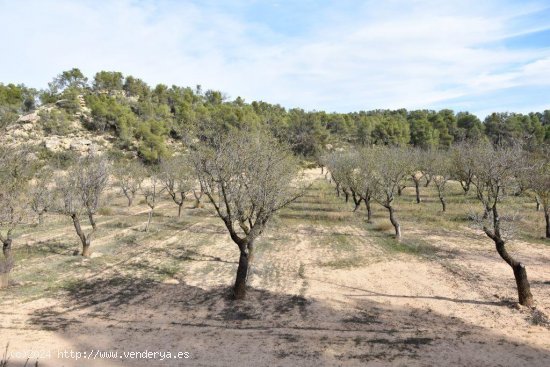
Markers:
point(128, 177)
point(198, 194)
point(367, 180)
point(417, 170)
point(494, 169)
point(440, 171)
point(42, 193)
point(358, 171)
point(391, 166)
point(151, 189)
point(247, 177)
point(463, 160)
point(538, 176)
point(177, 178)
point(15, 173)
point(80, 192)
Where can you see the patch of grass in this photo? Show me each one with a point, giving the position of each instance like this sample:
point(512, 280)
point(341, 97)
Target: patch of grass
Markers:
point(168, 270)
point(344, 263)
point(105, 210)
point(119, 224)
point(413, 247)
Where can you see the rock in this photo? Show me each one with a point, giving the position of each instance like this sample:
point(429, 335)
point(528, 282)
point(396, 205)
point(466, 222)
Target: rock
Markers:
point(20, 134)
point(65, 143)
point(52, 144)
point(31, 117)
point(79, 147)
point(171, 281)
point(27, 127)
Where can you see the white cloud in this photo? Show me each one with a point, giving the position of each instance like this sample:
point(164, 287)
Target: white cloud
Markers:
point(377, 55)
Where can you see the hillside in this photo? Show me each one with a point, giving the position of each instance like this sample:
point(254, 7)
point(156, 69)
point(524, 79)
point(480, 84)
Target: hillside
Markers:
point(123, 113)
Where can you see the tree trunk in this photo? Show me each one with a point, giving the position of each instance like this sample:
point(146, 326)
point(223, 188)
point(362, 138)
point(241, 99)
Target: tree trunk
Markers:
point(346, 193)
point(197, 199)
point(6, 248)
point(92, 221)
point(443, 203)
point(338, 189)
point(547, 217)
point(538, 202)
point(86, 251)
point(150, 217)
point(129, 196)
point(428, 180)
point(417, 189)
point(41, 219)
point(522, 282)
point(400, 190)
point(465, 186)
point(85, 241)
point(520, 273)
point(369, 210)
point(239, 290)
point(180, 205)
point(356, 200)
point(394, 223)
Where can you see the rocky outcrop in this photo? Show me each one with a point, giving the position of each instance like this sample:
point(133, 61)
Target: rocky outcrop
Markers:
point(27, 130)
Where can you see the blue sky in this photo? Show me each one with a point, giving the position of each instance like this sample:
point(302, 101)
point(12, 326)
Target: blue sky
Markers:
point(480, 56)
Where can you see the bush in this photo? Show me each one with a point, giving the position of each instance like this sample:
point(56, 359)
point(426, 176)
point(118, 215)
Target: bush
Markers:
point(55, 122)
point(60, 160)
point(105, 210)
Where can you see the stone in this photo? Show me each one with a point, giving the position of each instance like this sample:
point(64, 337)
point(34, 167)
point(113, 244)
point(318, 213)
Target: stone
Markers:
point(27, 127)
point(20, 134)
point(171, 281)
point(31, 117)
point(52, 145)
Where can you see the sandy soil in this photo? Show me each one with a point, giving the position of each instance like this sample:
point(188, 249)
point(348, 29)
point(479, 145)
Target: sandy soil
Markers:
point(457, 307)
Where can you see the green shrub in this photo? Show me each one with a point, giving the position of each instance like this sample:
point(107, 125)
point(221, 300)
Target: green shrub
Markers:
point(55, 122)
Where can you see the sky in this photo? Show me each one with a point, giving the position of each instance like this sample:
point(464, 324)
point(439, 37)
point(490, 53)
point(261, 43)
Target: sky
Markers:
point(338, 56)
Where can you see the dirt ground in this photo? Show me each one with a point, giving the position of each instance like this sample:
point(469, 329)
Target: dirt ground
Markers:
point(326, 289)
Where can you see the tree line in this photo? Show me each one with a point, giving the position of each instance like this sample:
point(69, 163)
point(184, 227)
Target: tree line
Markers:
point(142, 117)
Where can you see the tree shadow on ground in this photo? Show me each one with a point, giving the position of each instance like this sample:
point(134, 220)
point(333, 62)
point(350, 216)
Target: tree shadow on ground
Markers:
point(268, 328)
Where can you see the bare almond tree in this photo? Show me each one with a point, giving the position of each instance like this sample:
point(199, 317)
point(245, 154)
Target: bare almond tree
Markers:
point(357, 173)
point(463, 158)
point(128, 177)
point(440, 172)
point(178, 179)
point(15, 174)
point(366, 179)
point(151, 189)
point(42, 193)
point(494, 170)
point(391, 165)
point(247, 177)
point(538, 176)
point(198, 194)
point(80, 191)
point(416, 160)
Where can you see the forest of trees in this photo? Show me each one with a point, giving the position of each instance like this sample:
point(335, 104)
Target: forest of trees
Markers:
point(142, 117)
